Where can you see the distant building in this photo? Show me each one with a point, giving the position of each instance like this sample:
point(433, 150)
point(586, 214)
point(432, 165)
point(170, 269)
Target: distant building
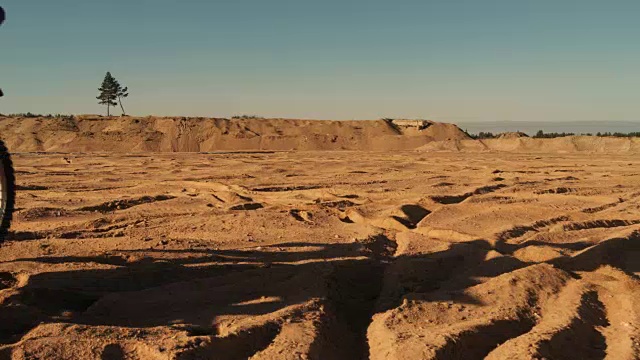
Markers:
point(418, 124)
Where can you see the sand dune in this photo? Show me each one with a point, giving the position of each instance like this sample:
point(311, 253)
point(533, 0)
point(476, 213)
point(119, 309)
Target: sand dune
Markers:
point(126, 134)
point(569, 144)
point(323, 255)
point(92, 133)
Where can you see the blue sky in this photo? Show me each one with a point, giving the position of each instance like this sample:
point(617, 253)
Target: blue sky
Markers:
point(449, 60)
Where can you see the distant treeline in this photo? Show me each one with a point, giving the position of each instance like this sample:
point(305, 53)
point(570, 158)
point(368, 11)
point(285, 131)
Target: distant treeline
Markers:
point(32, 115)
point(58, 116)
point(619, 134)
point(482, 135)
point(247, 117)
point(63, 116)
point(542, 135)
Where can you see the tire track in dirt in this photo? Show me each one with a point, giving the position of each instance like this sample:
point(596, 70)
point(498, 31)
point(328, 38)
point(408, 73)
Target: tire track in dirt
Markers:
point(467, 324)
point(577, 316)
point(353, 292)
point(595, 224)
point(520, 230)
point(402, 293)
point(123, 204)
point(574, 317)
point(456, 199)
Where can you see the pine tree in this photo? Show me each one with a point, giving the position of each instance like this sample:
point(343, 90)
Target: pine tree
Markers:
point(108, 92)
point(121, 92)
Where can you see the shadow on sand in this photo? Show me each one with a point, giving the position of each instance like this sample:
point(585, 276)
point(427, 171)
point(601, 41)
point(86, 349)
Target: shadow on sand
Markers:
point(195, 287)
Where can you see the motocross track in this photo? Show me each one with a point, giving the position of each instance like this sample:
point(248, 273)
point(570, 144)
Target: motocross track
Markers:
point(322, 255)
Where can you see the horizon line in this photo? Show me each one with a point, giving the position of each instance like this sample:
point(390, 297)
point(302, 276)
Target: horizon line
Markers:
point(259, 117)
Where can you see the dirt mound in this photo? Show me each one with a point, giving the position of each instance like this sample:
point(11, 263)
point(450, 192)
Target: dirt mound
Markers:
point(512, 135)
point(569, 144)
point(162, 134)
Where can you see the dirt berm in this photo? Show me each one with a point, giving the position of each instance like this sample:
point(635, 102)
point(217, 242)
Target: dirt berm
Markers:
point(87, 133)
point(569, 144)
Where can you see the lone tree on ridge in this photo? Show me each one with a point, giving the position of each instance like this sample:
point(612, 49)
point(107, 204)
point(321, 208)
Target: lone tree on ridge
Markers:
point(108, 92)
point(121, 92)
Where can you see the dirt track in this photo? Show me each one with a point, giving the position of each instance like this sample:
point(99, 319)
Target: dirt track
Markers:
point(323, 255)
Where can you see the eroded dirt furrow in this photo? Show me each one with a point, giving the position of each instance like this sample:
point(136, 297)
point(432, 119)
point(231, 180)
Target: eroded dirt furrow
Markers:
point(594, 224)
point(521, 230)
point(600, 208)
point(456, 199)
point(353, 293)
point(388, 256)
point(465, 324)
point(287, 188)
point(619, 294)
point(477, 342)
point(124, 204)
point(72, 232)
point(575, 318)
point(238, 346)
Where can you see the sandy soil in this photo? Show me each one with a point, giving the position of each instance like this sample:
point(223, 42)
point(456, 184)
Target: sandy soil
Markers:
point(323, 255)
point(563, 145)
point(93, 133)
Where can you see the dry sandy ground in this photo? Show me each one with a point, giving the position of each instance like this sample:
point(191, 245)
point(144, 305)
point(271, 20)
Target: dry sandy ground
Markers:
point(93, 133)
point(323, 255)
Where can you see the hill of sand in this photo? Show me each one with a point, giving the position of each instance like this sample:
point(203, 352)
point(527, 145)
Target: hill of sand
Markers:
point(512, 135)
point(161, 134)
point(321, 255)
point(569, 144)
point(93, 133)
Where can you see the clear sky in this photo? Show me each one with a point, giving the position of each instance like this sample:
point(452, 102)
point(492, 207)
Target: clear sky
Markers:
point(449, 60)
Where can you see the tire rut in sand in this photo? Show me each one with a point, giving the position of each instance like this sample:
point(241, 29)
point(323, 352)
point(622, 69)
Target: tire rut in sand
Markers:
point(520, 230)
point(595, 224)
point(581, 331)
point(7, 280)
point(477, 342)
point(353, 292)
point(465, 324)
point(239, 346)
point(27, 307)
point(339, 321)
point(123, 204)
point(600, 208)
point(567, 329)
point(456, 199)
point(619, 293)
